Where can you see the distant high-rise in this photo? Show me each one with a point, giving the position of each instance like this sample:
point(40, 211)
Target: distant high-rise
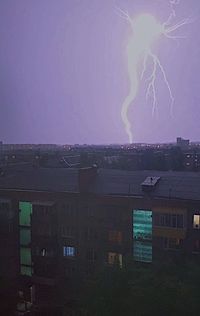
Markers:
point(181, 142)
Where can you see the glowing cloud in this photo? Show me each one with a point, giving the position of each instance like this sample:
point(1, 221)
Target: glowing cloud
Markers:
point(145, 31)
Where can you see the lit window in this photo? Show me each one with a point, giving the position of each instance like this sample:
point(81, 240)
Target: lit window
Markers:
point(43, 252)
point(68, 251)
point(142, 225)
point(142, 251)
point(196, 221)
point(142, 234)
point(25, 256)
point(26, 270)
point(25, 213)
point(25, 236)
point(115, 258)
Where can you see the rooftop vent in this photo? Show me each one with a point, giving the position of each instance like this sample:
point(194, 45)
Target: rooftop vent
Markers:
point(150, 183)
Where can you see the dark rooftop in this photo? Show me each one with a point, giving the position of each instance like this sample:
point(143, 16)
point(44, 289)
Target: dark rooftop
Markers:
point(174, 184)
point(180, 185)
point(40, 179)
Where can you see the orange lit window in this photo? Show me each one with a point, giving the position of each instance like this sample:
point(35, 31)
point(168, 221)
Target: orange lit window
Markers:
point(115, 258)
point(115, 236)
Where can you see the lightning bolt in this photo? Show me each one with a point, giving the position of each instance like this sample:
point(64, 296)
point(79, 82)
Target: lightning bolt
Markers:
point(146, 30)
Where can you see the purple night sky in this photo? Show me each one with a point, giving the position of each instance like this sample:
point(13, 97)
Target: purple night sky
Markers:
point(63, 73)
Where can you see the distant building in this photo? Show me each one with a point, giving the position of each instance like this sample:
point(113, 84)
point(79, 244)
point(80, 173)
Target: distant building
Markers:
point(182, 143)
point(42, 147)
point(1, 148)
point(191, 161)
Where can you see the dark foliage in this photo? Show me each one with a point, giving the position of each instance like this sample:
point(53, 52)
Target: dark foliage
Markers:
point(169, 289)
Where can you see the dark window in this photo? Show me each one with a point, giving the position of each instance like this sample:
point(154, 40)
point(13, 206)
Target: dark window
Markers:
point(90, 211)
point(115, 236)
point(90, 234)
point(162, 220)
point(69, 210)
point(10, 227)
point(4, 211)
point(42, 229)
point(41, 210)
point(67, 231)
point(196, 245)
point(180, 221)
point(69, 271)
point(91, 255)
point(174, 221)
point(156, 219)
point(169, 220)
point(90, 269)
point(65, 207)
point(165, 242)
point(172, 243)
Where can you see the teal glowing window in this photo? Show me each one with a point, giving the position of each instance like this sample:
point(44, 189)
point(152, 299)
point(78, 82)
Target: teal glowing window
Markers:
point(142, 235)
point(142, 251)
point(25, 236)
point(25, 256)
point(25, 270)
point(142, 225)
point(25, 213)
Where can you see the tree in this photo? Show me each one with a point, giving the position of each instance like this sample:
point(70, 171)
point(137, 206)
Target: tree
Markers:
point(145, 290)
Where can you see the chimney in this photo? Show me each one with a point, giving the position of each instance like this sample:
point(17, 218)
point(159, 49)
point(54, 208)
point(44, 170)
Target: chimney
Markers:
point(86, 177)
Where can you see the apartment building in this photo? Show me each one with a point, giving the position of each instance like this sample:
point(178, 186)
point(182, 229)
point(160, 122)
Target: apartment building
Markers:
point(59, 227)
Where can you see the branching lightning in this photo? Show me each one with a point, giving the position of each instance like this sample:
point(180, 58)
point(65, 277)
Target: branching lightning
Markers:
point(146, 30)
